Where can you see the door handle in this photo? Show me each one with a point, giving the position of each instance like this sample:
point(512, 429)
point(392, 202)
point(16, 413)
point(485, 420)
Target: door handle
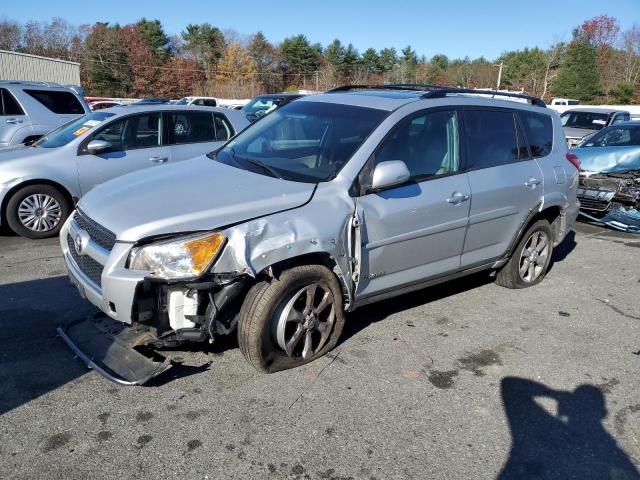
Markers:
point(532, 182)
point(457, 198)
point(158, 159)
point(14, 120)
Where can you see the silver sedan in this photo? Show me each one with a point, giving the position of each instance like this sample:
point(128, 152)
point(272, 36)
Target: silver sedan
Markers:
point(40, 183)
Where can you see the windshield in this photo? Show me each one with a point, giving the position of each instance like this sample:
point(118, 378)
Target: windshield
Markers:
point(584, 120)
point(182, 101)
point(302, 141)
point(72, 130)
point(261, 105)
point(615, 137)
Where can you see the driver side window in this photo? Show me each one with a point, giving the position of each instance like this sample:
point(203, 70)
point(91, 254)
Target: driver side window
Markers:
point(136, 131)
point(428, 144)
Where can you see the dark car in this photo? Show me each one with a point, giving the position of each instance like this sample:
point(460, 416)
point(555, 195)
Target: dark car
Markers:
point(580, 123)
point(262, 104)
point(152, 101)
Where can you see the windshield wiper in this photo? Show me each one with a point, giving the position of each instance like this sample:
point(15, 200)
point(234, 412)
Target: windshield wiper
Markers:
point(264, 167)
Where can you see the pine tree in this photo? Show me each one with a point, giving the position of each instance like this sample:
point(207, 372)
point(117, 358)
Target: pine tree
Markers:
point(578, 77)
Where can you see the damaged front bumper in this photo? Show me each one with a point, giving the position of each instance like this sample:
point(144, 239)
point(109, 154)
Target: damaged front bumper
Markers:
point(612, 199)
point(116, 351)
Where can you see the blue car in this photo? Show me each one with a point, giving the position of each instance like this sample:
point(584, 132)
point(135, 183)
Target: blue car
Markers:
point(609, 190)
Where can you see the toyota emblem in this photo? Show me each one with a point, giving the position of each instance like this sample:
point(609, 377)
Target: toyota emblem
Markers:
point(78, 244)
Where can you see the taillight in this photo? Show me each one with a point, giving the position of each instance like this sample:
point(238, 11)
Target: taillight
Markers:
point(573, 158)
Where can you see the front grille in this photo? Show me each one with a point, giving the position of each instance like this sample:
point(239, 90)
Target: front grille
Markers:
point(86, 264)
point(100, 235)
point(593, 204)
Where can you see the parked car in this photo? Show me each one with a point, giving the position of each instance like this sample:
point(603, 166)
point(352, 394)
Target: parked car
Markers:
point(152, 101)
point(609, 191)
point(39, 184)
point(564, 101)
point(28, 110)
point(101, 105)
point(580, 123)
point(329, 203)
point(212, 102)
point(262, 104)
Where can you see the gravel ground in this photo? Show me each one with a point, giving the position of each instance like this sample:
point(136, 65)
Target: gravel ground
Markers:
point(464, 380)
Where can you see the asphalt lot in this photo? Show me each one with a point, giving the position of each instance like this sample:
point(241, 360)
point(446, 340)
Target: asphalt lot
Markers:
point(457, 381)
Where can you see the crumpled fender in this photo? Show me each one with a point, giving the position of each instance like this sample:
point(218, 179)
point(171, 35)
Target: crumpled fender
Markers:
point(320, 226)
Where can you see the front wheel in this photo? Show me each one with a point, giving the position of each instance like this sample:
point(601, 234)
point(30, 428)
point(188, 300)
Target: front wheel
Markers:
point(37, 211)
point(292, 320)
point(530, 260)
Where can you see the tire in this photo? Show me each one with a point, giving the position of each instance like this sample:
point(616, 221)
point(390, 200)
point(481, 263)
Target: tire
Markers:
point(262, 330)
point(57, 209)
point(511, 275)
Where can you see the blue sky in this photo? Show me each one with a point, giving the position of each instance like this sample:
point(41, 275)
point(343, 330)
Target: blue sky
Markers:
point(455, 28)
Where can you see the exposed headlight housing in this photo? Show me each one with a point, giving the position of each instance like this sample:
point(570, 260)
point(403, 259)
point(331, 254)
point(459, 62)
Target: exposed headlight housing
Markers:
point(179, 258)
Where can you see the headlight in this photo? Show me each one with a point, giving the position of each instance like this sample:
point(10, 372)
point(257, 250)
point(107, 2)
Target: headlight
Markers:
point(184, 257)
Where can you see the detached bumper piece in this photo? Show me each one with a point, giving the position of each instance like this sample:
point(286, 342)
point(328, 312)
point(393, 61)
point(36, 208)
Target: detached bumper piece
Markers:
point(113, 349)
point(623, 219)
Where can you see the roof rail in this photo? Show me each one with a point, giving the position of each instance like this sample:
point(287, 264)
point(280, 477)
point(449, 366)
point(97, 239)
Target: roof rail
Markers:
point(28, 82)
point(437, 91)
point(443, 92)
point(420, 87)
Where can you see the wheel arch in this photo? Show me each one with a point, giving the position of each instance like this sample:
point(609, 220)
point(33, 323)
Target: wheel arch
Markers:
point(312, 258)
point(26, 183)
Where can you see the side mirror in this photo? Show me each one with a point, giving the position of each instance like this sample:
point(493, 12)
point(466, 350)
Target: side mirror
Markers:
point(388, 174)
point(98, 146)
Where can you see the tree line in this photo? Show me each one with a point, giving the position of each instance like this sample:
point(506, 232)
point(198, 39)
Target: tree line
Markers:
point(598, 64)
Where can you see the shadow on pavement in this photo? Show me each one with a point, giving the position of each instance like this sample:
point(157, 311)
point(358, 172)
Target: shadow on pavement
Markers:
point(33, 360)
point(568, 443)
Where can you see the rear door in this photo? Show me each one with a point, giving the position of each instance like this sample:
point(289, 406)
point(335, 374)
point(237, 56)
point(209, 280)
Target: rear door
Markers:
point(137, 144)
point(14, 124)
point(415, 231)
point(193, 133)
point(506, 183)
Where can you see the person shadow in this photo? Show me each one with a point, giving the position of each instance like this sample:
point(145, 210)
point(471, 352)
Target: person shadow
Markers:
point(569, 443)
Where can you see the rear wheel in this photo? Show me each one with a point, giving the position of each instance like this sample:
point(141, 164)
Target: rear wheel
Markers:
point(37, 211)
point(292, 320)
point(530, 260)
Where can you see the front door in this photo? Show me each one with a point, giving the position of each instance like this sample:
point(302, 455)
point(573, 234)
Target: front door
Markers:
point(136, 144)
point(415, 231)
point(506, 183)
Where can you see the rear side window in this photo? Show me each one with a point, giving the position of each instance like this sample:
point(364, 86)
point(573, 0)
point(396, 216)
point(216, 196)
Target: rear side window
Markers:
point(493, 138)
point(57, 102)
point(8, 104)
point(539, 131)
point(197, 127)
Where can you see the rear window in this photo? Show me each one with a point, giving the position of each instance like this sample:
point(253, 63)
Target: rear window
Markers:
point(197, 127)
point(57, 102)
point(493, 138)
point(8, 104)
point(539, 131)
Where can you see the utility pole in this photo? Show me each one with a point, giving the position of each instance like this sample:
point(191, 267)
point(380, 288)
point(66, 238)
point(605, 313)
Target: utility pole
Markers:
point(499, 74)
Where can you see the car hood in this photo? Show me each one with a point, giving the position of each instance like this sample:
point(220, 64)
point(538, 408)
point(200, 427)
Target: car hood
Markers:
point(570, 132)
point(197, 194)
point(17, 153)
point(608, 159)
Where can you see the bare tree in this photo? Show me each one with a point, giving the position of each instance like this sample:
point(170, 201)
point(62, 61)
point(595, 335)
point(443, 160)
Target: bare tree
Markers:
point(631, 49)
point(552, 59)
point(10, 34)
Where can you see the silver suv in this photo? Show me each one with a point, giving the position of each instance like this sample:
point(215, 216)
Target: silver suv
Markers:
point(28, 110)
point(327, 204)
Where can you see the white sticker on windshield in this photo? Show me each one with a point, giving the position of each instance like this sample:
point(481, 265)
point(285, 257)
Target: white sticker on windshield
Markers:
point(599, 122)
point(91, 123)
